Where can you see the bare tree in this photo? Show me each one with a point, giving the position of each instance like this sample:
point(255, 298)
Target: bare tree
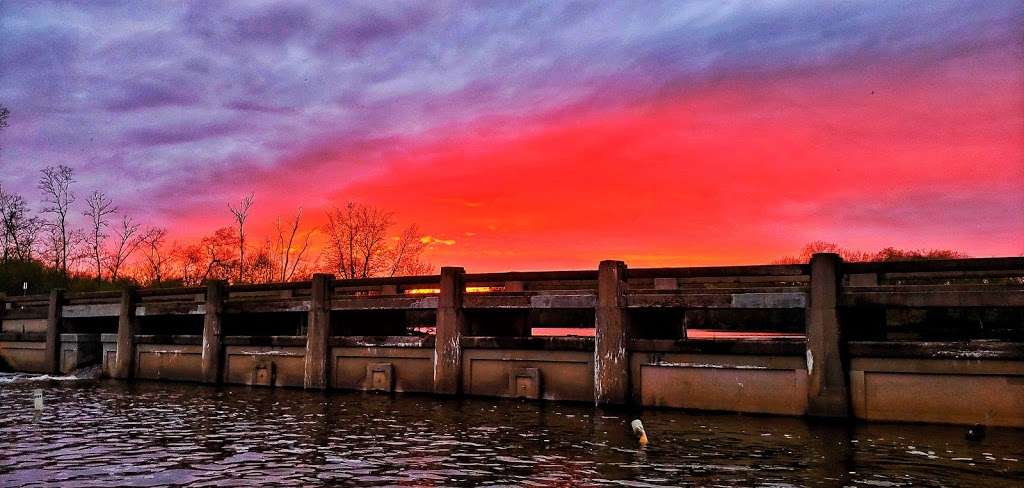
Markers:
point(358, 245)
point(190, 264)
point(100, 208)
point(886, 254)
point(262, 266)
point(55, 183)
point(289, 247)
point(241, 213)
point(407, 252)
point(4, 116)
point(217, 253)
point(157, 259)
point(128, 241)
point(18, 228)
point(213, 257)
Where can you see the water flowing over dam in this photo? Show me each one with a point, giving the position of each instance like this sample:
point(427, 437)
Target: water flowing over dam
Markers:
point(921, 341)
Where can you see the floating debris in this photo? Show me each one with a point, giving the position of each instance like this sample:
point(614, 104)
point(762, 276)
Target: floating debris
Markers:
point(638, 430)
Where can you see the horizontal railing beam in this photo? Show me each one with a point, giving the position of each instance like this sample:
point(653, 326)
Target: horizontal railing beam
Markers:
point(981, 298)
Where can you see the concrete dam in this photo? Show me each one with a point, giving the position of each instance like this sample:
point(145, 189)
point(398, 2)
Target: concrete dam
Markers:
point(915, 341)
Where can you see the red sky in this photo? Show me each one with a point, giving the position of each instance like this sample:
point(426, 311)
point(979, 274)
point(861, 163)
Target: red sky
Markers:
point(739, 170)
point(521, 137)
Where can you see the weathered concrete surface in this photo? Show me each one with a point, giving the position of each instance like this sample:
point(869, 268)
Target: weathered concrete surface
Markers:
point(451, 325)
point(956, 391)
point(78, 350)
point(25, 356)
point(176, 362)
point(748, 383)
point(482, 345)
point(125, 348)
point(611, 356)
point(827, 391)
point(411, 368)
point(264, 365)
point(560, 375)
point(22, 326)
point(213, 323)
point(90, 310)
point(316, 365)
point(53, 323)
point(109, 354)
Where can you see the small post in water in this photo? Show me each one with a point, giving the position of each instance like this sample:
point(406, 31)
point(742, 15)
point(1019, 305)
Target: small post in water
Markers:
point(638, 430)
point(37, 396)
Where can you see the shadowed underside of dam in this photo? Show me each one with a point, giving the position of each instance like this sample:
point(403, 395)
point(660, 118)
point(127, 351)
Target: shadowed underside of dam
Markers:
point(918, 341)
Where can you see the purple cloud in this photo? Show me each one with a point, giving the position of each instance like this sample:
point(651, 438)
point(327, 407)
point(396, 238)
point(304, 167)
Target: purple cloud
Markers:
point(175, 92)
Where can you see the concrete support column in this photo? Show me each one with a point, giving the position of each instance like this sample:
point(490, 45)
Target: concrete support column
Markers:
point(125, 355)
point(53, 322)
point(213, 357)
point(827, 390)
point(318, 332)
point(611, 355)
point(451, 324)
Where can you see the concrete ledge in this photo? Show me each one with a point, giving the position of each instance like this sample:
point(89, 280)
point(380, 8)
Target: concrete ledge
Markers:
point(530, 343)
point(285, 341)
point(65, 338)
point(18, 312)
point(385, 303)
point(169, 339)
point(776, 347)
point(23, 336)
point(938, 350)
point(251, 305)
point(24, 325)
point(91, 310)
point(382, 341)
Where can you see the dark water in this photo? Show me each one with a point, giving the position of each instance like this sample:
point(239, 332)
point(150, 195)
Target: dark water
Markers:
point(102, 433)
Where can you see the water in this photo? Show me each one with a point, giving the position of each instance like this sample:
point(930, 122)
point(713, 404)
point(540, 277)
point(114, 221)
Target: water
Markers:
point(106, 433)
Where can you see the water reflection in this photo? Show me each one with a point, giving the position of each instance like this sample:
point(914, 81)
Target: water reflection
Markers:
point(100, 433)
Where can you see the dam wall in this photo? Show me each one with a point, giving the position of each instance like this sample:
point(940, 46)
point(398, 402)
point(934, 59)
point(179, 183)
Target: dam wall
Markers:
point(916, 341)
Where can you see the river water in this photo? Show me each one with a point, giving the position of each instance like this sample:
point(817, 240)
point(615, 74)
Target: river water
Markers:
point(106, 433)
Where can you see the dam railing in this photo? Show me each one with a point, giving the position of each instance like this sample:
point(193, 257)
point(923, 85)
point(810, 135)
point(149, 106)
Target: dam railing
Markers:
point(921, 341)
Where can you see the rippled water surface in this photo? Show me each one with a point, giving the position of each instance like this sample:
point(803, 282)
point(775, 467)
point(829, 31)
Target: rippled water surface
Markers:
point(104, 433)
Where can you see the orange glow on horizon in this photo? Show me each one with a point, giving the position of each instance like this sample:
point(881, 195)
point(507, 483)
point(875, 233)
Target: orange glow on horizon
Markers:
point(733, 172)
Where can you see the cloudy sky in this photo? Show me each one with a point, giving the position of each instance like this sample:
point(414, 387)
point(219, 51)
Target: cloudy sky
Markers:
point(527, 135)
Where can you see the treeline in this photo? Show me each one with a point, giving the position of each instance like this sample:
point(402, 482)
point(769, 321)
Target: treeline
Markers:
point(885, 254)
point(91, 244)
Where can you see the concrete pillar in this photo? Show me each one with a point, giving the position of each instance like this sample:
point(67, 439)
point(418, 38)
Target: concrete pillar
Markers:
point(611, 355)
point(318, 332)
point(451, 324)
point(213, 357)
point(53, 321)
point(827, 391)
point(125, 355)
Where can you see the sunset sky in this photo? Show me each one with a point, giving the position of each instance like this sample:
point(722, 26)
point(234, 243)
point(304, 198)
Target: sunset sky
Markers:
point(538, 135)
